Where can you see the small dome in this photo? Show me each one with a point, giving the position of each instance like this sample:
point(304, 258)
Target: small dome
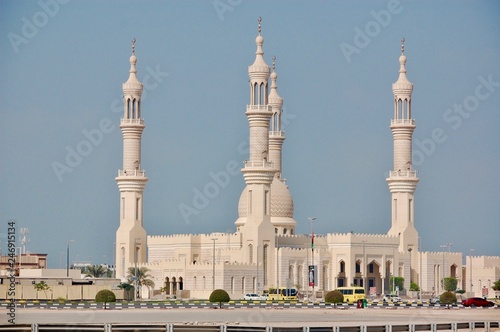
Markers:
point(281, 201)
point(274, 75)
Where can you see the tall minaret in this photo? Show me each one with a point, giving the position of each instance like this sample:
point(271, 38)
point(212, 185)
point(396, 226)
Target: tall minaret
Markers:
point(281, 199)
point(131, 180)
point(257, 231)
point(403, 179)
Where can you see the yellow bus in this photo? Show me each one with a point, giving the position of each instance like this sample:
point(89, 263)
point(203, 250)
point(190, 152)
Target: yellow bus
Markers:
point(282, 293)
point(352, 294)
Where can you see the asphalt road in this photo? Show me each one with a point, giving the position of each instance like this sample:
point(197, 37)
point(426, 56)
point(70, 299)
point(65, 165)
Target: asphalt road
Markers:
point(258, 316)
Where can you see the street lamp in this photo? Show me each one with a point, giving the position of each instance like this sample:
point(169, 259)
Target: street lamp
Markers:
point(312, 259)
point(213, 264)
point(136, 251)
point(420, 268)
point(470, 263)
point(363, 278)
point(67, 258)
point(444, 262)
point(409, 250)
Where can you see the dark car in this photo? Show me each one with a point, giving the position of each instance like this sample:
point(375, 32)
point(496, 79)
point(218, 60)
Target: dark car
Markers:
point(477, 302)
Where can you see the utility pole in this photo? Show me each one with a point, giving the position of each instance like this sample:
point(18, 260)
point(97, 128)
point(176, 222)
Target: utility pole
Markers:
point(312, 255)
point(213, 265)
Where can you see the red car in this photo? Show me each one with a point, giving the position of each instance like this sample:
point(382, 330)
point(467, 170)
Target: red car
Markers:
point(477, 302)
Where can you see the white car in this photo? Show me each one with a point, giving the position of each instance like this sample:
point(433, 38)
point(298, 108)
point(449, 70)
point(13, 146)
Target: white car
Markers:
point(251, 297)
point(391, 298)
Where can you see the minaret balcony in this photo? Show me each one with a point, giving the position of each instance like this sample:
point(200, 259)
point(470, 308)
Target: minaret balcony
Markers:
point(132, 121)
point(406, 174)
point(259, 108)
point(258, 164)
point(135, 173)
point(280, 133)
point(404, 122)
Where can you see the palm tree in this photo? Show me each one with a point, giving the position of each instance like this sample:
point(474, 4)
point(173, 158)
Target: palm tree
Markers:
point(95, 271)
point(142, 277)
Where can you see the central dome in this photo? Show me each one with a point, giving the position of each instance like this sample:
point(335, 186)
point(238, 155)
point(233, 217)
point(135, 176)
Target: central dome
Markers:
point(281, 205)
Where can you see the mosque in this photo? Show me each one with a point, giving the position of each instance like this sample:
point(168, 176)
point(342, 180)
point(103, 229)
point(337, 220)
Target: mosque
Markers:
point(265, 251)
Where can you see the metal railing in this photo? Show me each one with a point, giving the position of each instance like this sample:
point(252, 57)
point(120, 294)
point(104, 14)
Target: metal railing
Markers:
point(408, 174)
point(487, 326)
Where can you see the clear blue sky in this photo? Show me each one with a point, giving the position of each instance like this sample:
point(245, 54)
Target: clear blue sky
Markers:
point(63, 64)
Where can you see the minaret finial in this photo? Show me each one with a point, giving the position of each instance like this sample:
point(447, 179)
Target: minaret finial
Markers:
point(403, 45)
point(133, 46)
point(274, 62)
point(259, 26)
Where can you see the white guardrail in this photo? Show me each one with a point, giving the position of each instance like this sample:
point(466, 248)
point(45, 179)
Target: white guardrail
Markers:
point(488, 326)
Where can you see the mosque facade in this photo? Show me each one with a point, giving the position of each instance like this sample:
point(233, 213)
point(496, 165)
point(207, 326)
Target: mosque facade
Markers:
point(265, 251)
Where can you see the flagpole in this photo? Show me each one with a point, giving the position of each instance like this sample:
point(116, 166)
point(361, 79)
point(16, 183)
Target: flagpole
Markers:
point(311, 283)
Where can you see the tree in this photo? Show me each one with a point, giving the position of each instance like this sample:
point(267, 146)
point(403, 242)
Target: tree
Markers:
point(496, 285)
point(128, 288)
point(414, 286)
point(448, 298)
point(398, 282)
point(95, 271)
point(143, 277)
point(41, 286)
point(219, 295)
point(334, 297)
point(106, 296)
point(450, 284)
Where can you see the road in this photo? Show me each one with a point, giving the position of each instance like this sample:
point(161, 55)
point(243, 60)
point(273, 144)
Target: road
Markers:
point(258, 316)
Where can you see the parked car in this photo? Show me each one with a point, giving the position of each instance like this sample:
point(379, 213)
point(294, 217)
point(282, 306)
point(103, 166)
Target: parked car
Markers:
point(391, 298)
point(435, 300)
point(251, 297)
point(477, 302)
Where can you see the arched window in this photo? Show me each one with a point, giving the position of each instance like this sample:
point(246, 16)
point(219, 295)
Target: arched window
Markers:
point(265, 263)
point(232, 285)
point(255, 94)
point(262, 100)
point(195, 284)
point(284, 231)
point(127, 111)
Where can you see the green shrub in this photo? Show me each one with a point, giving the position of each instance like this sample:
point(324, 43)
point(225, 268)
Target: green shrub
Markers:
point(414, 287)
point(334, 297)
point(448, 298)
point(105, 296)
point(219, 296)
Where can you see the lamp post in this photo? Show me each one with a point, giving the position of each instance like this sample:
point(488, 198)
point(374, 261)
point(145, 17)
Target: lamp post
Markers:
point(470, 263)
point(277, 266)
point(312, 257)
point(363, 278)
point(67, 258)
point(393, 272)
point(420, 268)
point(136, 283)
point(213, 265)
point(409, 250)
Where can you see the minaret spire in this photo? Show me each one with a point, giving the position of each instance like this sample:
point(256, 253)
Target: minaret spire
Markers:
point(281, 199)
point(403, 178)
point(131, 180)
point(255, 202)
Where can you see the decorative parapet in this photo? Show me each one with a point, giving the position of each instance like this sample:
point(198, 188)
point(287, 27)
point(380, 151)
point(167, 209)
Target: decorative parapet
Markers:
point(407, 174)
point(405, 122)
point(135, 173)
point(132, 121)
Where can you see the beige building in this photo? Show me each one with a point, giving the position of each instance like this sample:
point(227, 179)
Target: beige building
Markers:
point(264, 251)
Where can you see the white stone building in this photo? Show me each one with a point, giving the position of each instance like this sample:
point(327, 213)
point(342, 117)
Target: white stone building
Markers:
point(265, 252)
